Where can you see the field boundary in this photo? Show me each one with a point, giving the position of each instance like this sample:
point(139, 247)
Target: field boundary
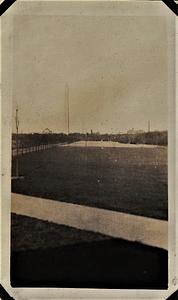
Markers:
point(26, 150)
point(149, 231)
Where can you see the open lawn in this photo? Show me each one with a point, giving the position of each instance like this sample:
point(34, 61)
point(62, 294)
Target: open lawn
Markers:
point(31, 233)
point(132, 180)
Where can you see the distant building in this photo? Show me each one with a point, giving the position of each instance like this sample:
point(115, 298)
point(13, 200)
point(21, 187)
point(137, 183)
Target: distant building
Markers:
point(135, 131)
point(47, 131)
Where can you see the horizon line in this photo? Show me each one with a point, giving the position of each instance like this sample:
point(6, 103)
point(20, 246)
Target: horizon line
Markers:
point(97, 132)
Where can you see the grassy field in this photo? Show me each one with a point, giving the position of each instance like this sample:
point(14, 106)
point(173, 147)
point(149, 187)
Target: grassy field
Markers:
point(132, 180)
point(44, 254)
point(30, 234)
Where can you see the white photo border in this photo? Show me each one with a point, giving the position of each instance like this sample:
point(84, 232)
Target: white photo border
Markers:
point(43, 7)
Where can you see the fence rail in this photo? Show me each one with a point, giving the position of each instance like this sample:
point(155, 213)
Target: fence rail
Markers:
point(35, 148)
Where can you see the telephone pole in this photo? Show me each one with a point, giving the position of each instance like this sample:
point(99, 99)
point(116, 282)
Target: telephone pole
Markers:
point(148, 125)
point(68, 107)
point(17, 142)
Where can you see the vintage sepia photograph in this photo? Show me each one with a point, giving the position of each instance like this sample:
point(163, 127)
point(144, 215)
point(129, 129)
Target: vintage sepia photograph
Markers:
point(89, 148)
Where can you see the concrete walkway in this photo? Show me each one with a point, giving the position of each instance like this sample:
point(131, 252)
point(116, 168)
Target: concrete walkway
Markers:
point(148, 231)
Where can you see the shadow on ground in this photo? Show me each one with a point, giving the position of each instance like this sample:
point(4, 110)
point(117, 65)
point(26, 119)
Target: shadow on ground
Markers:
point(109, 264)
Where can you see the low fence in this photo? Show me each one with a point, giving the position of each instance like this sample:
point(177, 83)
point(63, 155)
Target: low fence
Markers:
point(35, 148)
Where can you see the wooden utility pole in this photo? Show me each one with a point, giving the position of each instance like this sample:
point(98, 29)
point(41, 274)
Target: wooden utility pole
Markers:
point(68, 107)
point(17, 142)
point(148, 125)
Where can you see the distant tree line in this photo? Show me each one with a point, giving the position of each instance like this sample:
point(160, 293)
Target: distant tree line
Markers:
point(151, 138)
point(37, 139)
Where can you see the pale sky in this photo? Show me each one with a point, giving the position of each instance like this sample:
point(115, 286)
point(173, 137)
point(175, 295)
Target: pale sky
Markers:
point(116, 69)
